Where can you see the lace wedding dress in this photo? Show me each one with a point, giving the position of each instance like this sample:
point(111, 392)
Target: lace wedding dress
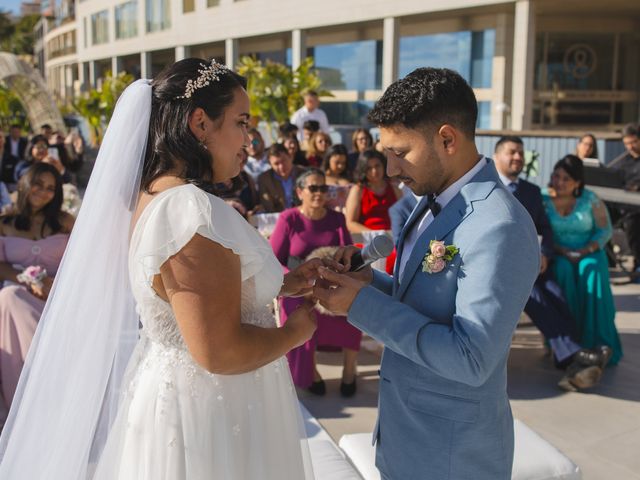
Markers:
point(176, 420)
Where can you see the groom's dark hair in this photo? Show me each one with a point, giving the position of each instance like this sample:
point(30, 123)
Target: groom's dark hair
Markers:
point(428, 97)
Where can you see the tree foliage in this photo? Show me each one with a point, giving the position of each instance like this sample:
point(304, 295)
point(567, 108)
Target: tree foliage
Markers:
point(11, 110)
point(17, 36)
point(97, 104)
point(275, 91)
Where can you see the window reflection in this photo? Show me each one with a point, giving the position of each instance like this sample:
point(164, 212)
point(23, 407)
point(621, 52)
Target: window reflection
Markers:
point(127, 20)
point(349, 66)
point(468, 53)
point(100, 27)
point(158, 15)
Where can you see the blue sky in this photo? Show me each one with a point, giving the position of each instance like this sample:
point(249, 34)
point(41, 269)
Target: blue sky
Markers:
point(11, 5)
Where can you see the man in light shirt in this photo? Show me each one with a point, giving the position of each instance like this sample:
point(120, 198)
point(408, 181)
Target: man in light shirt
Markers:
point(257, 161)
point(310, 111)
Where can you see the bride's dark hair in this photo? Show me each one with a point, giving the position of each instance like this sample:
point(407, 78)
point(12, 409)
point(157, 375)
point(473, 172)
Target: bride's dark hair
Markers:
point(170, 141)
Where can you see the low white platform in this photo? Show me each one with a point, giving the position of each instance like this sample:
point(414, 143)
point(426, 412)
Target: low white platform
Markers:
point(534, 457)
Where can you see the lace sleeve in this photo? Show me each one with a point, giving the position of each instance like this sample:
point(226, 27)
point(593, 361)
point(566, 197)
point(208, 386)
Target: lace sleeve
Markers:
point(602, 229)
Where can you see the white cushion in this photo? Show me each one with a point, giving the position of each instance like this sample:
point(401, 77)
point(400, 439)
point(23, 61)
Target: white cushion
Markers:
point(534, 457)
point(329, 462)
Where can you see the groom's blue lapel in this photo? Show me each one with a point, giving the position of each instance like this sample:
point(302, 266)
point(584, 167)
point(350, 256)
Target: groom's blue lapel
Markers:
point(451, 215)
point(418, 211)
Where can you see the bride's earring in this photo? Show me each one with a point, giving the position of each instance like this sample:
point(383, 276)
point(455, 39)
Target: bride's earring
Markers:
point(202, 144)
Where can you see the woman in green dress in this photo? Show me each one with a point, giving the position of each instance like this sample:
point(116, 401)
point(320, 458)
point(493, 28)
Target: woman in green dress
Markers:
point(581, 228)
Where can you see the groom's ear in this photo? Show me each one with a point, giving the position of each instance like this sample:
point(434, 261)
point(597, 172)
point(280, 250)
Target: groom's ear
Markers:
point(449, 138)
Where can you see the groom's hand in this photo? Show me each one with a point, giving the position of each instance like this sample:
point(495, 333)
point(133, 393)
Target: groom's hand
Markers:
point(342, 259)
point(337, 291)
point(300, 280)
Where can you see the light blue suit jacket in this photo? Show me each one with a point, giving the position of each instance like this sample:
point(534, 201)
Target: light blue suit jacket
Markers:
point(443, 406)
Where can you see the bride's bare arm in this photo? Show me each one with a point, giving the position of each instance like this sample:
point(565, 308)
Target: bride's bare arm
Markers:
point(202, 283)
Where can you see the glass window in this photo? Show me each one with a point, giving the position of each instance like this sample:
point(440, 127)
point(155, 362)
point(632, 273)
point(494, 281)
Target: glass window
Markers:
point(484, 116)
point(100, 27)
point(158, 15)
point(468, 53)
point(127, 19)
point(213, 3)
point(349, 66)
point(188, 6)
point(84, 31)
point(347, 113)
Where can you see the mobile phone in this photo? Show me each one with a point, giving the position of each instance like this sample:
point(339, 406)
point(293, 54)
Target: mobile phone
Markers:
point(53, 153)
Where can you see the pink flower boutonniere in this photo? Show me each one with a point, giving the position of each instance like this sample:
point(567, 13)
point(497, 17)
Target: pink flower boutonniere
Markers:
point(438, 257)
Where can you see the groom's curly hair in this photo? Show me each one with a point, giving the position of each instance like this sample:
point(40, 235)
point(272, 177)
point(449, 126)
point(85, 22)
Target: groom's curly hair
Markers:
point(428, 97)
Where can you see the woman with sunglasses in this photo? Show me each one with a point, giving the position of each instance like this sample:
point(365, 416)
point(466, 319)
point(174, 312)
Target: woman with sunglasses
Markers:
point(298, 232)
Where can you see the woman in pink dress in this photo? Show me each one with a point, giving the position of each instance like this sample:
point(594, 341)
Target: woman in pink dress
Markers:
point(298, 232)
point(35, 233)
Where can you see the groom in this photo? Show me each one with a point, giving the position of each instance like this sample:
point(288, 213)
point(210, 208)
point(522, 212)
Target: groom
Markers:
point(447, 315)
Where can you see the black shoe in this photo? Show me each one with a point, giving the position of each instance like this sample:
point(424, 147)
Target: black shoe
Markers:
point(318, 388)
point(597, 357)
point(348, 389)
point(581, 376)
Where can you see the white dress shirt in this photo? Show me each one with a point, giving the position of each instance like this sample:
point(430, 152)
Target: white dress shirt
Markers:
point(443, 199)
point(303, 114)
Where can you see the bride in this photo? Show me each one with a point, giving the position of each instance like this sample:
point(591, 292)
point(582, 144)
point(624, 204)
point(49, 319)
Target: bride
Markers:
point(206, 392)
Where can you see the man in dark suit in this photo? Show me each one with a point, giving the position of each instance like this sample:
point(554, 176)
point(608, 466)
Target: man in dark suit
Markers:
point(277, 186)
point(547, 307)
point(15, 151)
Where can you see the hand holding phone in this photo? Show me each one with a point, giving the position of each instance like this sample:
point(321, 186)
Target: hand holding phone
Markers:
point(53, 153)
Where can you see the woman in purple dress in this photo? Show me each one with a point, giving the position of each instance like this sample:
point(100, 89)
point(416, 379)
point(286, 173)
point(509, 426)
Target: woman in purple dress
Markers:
point(35, 233)
point(298, 232)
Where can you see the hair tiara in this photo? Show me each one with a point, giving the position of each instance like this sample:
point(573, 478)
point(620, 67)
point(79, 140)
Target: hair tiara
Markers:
point(207, 74)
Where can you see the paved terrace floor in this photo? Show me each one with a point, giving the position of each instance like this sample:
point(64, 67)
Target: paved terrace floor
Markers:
point(599, 429)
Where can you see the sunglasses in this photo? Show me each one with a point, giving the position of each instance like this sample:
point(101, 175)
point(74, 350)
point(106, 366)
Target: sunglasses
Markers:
point(255, 142)
point(318, 188)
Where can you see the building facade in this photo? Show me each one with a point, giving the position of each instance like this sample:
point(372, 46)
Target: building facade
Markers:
point(533, 64)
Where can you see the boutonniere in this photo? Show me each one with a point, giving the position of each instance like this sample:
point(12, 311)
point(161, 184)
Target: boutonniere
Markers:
point(438, 256)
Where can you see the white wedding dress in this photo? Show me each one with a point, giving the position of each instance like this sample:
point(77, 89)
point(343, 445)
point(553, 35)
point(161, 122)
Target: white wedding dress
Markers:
point(177, 421)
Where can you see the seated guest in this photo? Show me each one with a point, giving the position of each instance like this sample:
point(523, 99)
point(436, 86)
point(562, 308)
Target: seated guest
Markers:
point(361, 140)
point(371, 197)
point(41, 151)
point(309, 128)
point(581, 228)
point(239, 191)
point(298, 232)
point(277, 185)
point(34, 234)
point(629, 163)
point(292, 145)
point(318, 145)
point(337, 176)
point(285, 130)
point(15, 150)
point(257, 162)
point(547, 307)
point(587, 147)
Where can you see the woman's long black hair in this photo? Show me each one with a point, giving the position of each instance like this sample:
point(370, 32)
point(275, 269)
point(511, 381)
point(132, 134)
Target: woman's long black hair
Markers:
point(171, 143)
point(20, 217)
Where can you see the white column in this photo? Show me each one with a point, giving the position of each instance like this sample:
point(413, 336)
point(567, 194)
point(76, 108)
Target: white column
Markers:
point(68, 81)
point(231, 52)
point(145, 65)
point(92, 74)
point(523, 65)
point(390, 49)
point(182, 52)
point(116, 65)
point(298, 47)
point(501, 73)
point(81, 76)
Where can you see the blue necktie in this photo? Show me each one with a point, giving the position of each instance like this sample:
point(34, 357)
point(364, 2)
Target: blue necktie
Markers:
point(512, 187)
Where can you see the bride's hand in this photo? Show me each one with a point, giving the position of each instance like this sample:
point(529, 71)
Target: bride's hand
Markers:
point(300, 281)
point(302, 323)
